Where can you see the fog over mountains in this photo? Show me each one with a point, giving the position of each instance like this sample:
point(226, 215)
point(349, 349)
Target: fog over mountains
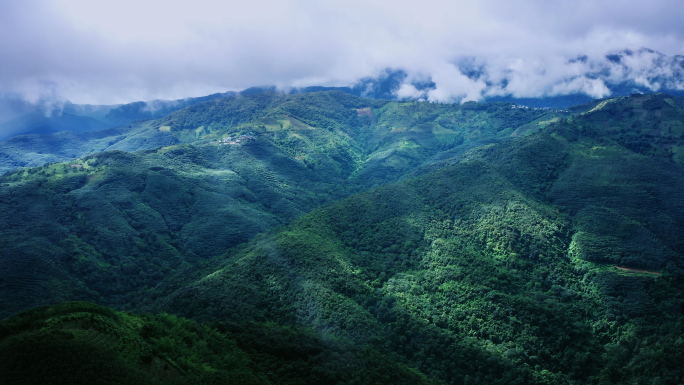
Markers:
point(613, 74)
point(73, 50)
point(556, 83)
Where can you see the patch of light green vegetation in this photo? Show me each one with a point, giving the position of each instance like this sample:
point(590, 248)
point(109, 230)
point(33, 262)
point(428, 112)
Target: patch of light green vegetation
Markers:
point(408, 144)
point(549, 121)
point(601, 105)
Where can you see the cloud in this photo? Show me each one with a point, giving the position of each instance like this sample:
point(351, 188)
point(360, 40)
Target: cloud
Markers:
point(121, 51)
point(409, 91)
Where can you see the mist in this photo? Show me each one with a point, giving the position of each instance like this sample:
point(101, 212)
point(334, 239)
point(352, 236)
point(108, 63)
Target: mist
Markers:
point(111, 52)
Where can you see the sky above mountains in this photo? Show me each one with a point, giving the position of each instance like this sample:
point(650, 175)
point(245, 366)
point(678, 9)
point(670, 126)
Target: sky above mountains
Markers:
point(105, 52)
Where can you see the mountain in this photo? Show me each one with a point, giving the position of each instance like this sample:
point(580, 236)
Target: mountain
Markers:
point(615, 74)
point(35, 139)
point(116, 226)
point(37, 123)
point(12, 107)
point(30, 151)
point(18, 117)
point(153, 109)
point(441, 243)
point(549, 258)
point(579, 80)
point(37, 150)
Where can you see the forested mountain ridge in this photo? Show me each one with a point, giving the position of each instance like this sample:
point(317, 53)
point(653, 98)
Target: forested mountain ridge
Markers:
point(550, 258)
point(442, 125)
point(116, 226)
point(19, 117)
point(510, 245)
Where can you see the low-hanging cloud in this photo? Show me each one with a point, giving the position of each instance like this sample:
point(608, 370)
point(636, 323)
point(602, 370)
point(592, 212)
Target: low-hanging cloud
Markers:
point(121, 51)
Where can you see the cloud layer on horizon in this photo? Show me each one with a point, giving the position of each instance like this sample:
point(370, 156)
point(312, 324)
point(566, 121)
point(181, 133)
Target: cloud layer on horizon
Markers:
point(122, 51)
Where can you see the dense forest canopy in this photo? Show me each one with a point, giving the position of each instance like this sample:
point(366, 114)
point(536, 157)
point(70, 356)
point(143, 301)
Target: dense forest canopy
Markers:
point(326, 238)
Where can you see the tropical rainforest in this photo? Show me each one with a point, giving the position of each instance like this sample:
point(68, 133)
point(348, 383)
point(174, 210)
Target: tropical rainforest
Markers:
point(321, 237)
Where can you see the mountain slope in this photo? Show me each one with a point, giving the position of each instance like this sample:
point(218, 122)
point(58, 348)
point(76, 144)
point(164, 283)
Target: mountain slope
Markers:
point(391, 136)
point(503, 245)
point(113, 225)
point(153, 109)
point(550, 258)
point(37, 150)
point(39, 124)
point(18, 117)
point(118, 227)
point(81, 343)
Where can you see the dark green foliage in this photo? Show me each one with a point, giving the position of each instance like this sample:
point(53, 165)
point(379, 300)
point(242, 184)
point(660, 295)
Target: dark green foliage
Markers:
point(397, 257)
point(118, 226)
point(293, 356)
point(498, 266)
point(89, 344)
point(503, 245)
point(83, 343)
point(112, 226)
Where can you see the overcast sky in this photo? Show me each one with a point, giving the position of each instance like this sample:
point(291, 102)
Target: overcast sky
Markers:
point(106, 51)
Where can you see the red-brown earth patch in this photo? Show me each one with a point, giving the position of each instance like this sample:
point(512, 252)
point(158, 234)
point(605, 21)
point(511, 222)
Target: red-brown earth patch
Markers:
point(366, 111)
point(636, 270)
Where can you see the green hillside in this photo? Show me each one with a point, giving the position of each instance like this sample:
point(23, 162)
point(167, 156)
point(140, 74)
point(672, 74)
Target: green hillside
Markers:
point(38, 150)
point(455, 244)
point(389, 135)
point(82, 343)
point(118, 227)
point(552, 258)
point(115, 226)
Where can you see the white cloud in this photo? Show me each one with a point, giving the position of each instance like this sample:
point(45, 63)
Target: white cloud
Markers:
point(593, 87)
point(451, 85)
point(409, 91)
point(118, 51)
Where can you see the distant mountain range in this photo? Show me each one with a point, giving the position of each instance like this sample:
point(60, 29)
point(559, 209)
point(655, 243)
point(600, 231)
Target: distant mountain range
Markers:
point(615, 74)
point(18, 117)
